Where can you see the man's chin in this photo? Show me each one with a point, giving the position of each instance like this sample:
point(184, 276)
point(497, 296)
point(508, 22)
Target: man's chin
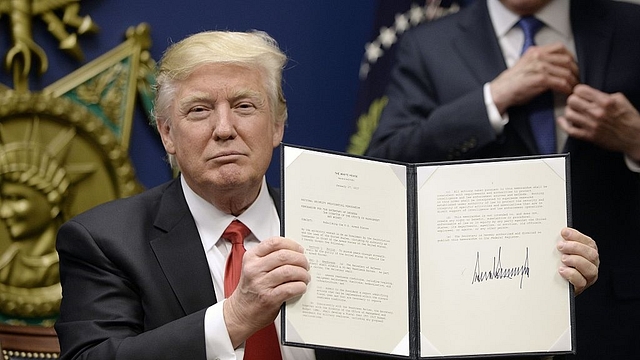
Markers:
point(236, 182)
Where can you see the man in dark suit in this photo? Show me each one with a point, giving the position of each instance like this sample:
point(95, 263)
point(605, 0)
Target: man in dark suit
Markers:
point(461, 89)
point(145, 277)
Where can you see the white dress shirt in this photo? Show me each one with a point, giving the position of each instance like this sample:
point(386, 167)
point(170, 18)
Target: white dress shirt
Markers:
point(263, 221)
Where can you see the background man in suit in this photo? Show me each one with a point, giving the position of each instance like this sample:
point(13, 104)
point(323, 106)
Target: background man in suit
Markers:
point(461, 89)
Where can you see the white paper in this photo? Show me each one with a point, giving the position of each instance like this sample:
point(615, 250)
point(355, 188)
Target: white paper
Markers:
point(350, 216)
point(488, 262)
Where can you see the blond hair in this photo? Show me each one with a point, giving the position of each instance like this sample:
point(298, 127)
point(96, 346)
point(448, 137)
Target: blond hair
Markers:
point(254, 49)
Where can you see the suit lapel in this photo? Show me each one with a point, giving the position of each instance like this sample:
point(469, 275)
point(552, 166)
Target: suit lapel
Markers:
point(593, 40)
point(275, 195)
point(479, 48)
point(180, 254)
point(476, 43)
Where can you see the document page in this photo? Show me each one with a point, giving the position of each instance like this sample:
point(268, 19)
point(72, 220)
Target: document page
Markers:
point(489, 281)
point(350, 214)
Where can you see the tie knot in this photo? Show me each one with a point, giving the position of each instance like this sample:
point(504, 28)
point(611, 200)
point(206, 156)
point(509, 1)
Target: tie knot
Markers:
point(236, 232)
point(530, 26)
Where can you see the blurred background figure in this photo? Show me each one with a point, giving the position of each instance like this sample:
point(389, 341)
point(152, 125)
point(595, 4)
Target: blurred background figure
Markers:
point(462, 87)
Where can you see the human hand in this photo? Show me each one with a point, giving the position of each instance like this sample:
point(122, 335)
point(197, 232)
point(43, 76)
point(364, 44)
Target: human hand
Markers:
point(541, 68)
point(580, 259)
point(607, 120)
point(273, 272)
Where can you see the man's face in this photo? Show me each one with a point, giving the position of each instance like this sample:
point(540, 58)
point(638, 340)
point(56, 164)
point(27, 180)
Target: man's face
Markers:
point(222, 131)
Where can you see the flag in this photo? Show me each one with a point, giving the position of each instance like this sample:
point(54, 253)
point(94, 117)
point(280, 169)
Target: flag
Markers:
point(392, 19)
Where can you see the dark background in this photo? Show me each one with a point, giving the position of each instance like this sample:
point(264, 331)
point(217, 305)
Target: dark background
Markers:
point(323, 39)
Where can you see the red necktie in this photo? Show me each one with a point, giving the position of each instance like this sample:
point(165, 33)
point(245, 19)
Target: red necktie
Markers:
point(262, 345)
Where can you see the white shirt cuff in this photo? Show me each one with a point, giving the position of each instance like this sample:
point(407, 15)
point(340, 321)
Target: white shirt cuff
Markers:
point(217, 341)
point(497, 121)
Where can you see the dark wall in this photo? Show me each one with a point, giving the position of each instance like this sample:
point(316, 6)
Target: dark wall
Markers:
point(323, 39)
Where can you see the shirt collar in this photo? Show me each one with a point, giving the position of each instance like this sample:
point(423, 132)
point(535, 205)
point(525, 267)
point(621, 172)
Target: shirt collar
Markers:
point(261, 217)
point(555, 15)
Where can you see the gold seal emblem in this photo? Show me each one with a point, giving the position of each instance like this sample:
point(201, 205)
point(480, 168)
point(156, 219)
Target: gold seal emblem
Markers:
point(56, 160)
point(63, 149)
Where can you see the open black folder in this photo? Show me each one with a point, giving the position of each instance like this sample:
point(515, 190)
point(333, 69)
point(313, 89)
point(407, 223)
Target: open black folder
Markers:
point(451, 259)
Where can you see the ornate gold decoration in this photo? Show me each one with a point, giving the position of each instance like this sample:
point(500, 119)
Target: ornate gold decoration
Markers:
point(93, 168)
point(30, 342)
point(21, 12)
point(109, 84)
point(367, 124)
point(9, 354)
point(62, 150)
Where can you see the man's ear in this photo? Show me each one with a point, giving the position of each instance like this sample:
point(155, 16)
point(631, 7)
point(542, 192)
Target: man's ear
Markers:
point(164, 129)
point(278, 133)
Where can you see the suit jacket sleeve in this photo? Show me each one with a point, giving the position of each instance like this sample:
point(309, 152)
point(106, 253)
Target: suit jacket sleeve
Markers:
point(135, 280)
point(429, 115)
point(106, 319)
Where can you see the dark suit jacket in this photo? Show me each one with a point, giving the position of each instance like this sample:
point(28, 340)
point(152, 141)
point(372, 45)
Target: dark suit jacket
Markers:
point(436, 112)
point(135, 280)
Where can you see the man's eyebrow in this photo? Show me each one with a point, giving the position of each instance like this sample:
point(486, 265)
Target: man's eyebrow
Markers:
point(200, 96)
point(247, 93)
point(254, 95)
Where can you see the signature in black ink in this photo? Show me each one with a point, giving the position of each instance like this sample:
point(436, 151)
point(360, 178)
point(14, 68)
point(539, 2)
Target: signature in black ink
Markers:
point(498, 272)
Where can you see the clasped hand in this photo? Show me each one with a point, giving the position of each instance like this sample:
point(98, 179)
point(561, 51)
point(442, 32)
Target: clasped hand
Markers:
point(541, 68)
point(607, 120)
point(273, 272)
